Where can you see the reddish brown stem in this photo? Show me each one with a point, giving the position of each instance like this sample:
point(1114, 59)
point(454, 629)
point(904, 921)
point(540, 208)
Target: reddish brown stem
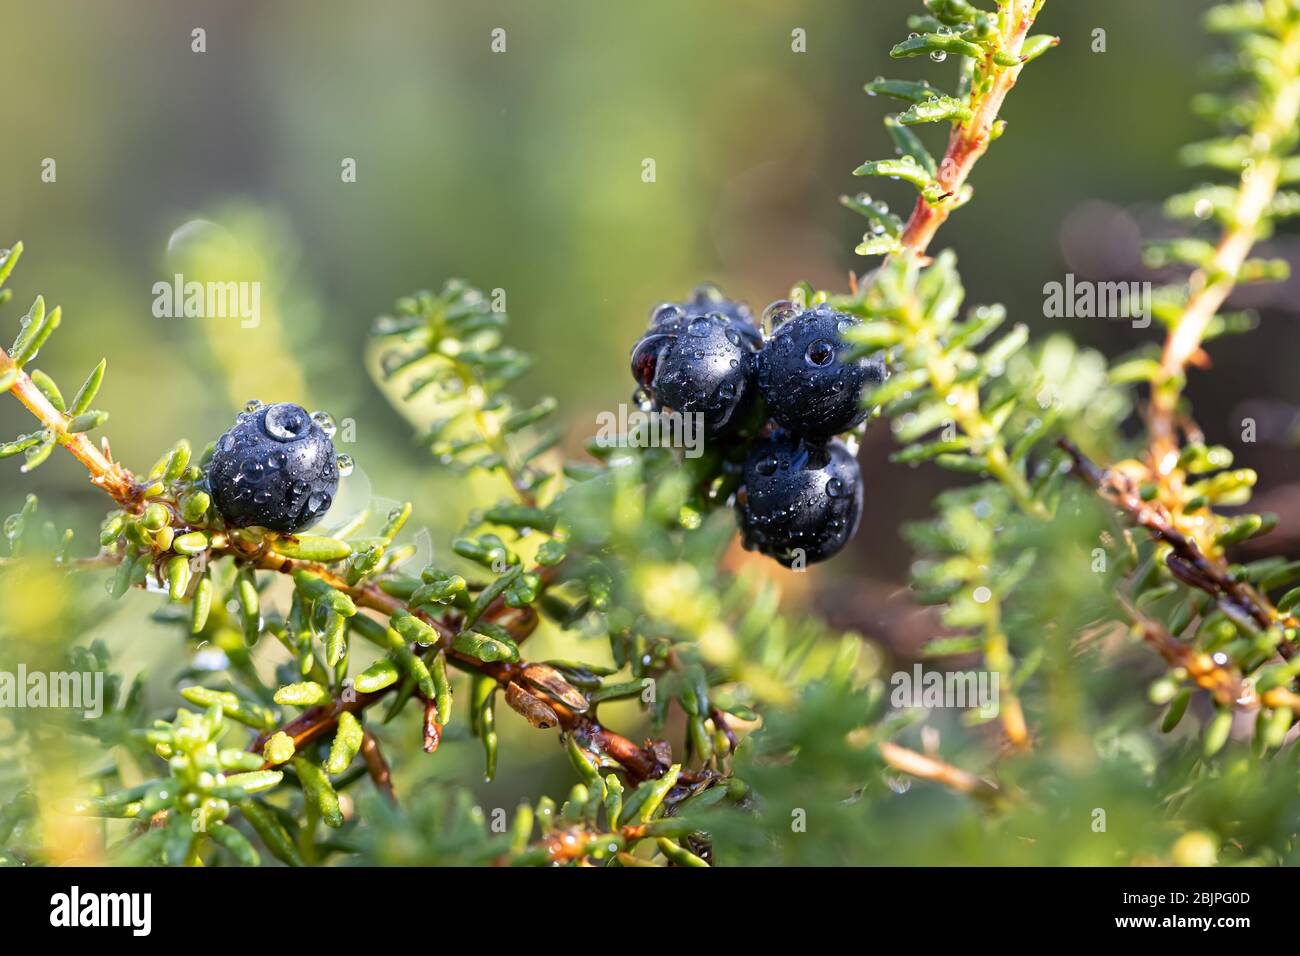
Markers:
point(377, 766)
point(1186, 561)
point(969, 140)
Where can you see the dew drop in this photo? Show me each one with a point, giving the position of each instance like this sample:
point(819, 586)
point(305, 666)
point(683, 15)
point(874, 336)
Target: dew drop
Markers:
point(708, 292)
point(777, 313)
point(326, 422)
point(642, 400)
point(345, 465)
point(668, 312)
point(766, 466)
point(698, 327)
point(820, 353)
point(252, 405)
point(645, 358)
point(834, 488)
point(286, 422)
point(938, 56)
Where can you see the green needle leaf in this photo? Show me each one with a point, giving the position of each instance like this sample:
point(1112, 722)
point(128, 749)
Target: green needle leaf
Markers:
point(927, 43)
point(89, 389)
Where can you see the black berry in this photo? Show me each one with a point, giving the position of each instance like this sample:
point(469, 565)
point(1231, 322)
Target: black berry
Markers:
point(800, 500)
point(697, 364)
point(275, 468)
point(809, 387)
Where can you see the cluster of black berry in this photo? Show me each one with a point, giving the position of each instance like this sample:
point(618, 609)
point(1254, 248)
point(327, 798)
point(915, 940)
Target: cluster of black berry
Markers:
point(783, 397)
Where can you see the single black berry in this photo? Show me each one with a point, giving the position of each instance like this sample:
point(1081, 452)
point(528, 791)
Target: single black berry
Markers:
point(800, 500)
point(275, 468)
point(803, 376)
point(701, 364)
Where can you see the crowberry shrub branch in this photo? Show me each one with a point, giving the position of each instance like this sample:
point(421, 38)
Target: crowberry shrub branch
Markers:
point(63, 424)
point(993, 49)
point(1174, 495)
point(1174, 491)
point(939, 381)
point(1261, 148)
point(221, 580)
point(159, 530)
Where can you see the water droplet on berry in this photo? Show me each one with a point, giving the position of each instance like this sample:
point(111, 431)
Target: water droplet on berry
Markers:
point(766, 466)
point(734, 338)
point(834, 488)
point(262, 496)
point(777, 313)
point(326, 422)
point(698, 327)
point(820, 353)
point(345, 465)
point(252, 473)
point(708, 292)
point(668, 312)
point(645, 359)
point(642, 400)
point(286, 422)
point(252, 405)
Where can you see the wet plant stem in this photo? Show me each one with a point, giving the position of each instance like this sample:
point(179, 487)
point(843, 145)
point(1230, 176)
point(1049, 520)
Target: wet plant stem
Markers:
point(1212, 284)
point(106, 474)
point(970, 140)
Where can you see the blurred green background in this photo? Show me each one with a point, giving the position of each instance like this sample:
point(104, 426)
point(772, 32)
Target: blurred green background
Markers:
point(522, 170)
